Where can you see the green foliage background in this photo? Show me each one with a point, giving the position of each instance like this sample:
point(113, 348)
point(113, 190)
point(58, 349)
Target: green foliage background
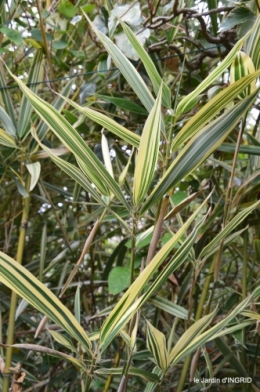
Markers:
point(129, 194)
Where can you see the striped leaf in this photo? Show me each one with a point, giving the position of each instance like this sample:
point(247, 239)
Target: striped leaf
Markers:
point(127, 306)
point(76, 174)
point(156, 343)
point(179, 257)
point(228, 228)
point(252, 45)
point(7, 123)
point(6, 98)
point(86, 158)
point(185, 102)
point(197, 341)
point(133, 371)
point(58, 103)
point(34, 169)
point(149, 66)
point(212, 108)
point(148, 152)
point(7, 140)
point(198, 149)
point(35, 75)
point(241, 66)
point(126, 68)
point(107, 123)
point(21, 281)
point(195, 330)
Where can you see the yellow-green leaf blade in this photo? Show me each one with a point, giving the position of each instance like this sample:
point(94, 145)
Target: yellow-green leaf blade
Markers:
point(198, 149)
point(148, 152)
point(156, 343)
point(149, 66)
point(20, 280)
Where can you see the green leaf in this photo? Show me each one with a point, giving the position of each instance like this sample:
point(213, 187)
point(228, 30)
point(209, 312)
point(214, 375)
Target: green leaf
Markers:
point(169, 307)
point(177, 355)
point(67, 9)
point(127, 69)
point(61, 44)
point(198, 149)
point(212, 108)
point(181, 108)
point(107, 123)
point(228, 228)
point(124, 104)
point(149, 66)
point(62, 340)
point(118, 280)
point(37, 35)
point(242, 65)
point(35, 75)
point(7, 140)
point(7, 123)
point(45, 350)
point(156, 344)
point(188, 336)
point(14, 35)
point(86, 158)
point(147, 376)
point(20, 280)
point(237, 16)
point(128, 304)
point(148, 152)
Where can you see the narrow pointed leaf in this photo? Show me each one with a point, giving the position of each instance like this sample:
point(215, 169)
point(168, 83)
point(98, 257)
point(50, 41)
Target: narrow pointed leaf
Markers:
point(212, 108)
point(21, 281)
point(208, 335)
point(241, 66)
point(35, 74)
point(126, 68)
point(148, 152)
point(107, 123)
point(196, 329)
point(34, 169)
point(58, 103)
point(7, 140)
point(6, 99)
point(92, 166)
point(149, 66)
point(228, 228)
point(121, 314)
point(181, 108)
point(7, 123)
point(198, 149)
point(156, 343)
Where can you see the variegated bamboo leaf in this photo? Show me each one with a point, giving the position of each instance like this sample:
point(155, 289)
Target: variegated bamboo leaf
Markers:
point(107, 123)
point(228, 228)
point(181, 108)
point(149, 66)
point(156, 343)
point(126, 68)
point(35, 75)
point(34, 169)
point(147, 376)
point(58, 103)
point(86, 158)
point(49, 351)
point(21, 281)
point(148, 152)
point(212, 108)
point(252, 45)
point(126, 307)
point(198, 341)
point(198, 149)
point(7, 140)
point(241, 66)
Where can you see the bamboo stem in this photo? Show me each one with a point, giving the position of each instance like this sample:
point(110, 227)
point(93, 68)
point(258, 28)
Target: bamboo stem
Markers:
point(13, 304)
